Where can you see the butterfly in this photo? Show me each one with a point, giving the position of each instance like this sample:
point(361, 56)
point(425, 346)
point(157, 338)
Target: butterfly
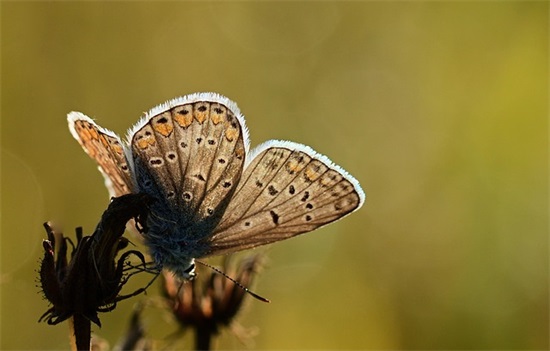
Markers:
point(212, 194)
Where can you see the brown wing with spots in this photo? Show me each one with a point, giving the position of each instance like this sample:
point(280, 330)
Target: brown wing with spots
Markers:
point(106, 149)
point(195, 154)
point(286, 190)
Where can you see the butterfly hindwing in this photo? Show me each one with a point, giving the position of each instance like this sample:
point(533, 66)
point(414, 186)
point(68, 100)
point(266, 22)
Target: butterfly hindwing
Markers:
point(194, 151)
point(106, 149)
point(287, 189)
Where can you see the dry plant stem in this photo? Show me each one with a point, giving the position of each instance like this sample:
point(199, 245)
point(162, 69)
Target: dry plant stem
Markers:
point(203, 337)
point(81, 333)
point(72, 338)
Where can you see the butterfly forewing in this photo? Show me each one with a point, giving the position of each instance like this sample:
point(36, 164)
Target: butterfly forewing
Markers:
point(106, 149)
point(195, 153)
point(286, 190)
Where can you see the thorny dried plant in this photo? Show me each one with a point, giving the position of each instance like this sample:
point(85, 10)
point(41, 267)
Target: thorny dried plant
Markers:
point(90, 281)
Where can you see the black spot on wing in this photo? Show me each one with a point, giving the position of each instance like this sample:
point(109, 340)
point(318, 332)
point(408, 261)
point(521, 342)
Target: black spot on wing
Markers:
point(274, 217)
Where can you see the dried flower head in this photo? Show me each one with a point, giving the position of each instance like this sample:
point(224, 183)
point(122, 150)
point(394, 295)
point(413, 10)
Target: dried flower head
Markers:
point(91, 280)
point(210, 301)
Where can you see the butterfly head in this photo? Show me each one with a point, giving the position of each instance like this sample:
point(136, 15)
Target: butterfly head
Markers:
point(183, 272)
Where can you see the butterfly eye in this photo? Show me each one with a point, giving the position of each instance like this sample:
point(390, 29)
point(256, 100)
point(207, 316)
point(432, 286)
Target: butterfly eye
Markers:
point(191, 269)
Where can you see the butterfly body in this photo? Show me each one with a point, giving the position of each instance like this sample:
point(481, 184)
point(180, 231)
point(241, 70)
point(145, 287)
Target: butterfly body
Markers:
point(213, 195)
point(172, 242)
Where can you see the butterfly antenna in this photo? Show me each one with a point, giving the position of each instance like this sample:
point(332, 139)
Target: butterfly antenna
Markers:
point(253, 294)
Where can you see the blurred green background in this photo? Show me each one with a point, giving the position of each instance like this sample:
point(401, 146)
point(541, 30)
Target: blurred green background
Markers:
point(439, 109)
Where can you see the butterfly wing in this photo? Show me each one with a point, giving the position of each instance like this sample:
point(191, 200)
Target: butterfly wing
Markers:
point(286, 190)
point(106, 149)
point(191, 152)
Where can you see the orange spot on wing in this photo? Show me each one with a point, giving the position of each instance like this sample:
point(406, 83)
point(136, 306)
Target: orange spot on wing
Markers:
point(231, 134)
point(216, 118)
point(311, 174)
point(142, 144)
point(164, 129)
point(200, 116)
point(117, 148)
point(82, 132)
point(145, 142)
point(183, 120)
point(104, 141)
point(93, 134)
point(294, 166)
point(239, 152)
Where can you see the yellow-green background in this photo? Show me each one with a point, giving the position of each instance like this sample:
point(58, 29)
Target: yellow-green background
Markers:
point(439, 109)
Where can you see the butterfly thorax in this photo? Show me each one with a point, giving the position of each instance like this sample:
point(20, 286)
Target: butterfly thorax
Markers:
point(173, 242)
